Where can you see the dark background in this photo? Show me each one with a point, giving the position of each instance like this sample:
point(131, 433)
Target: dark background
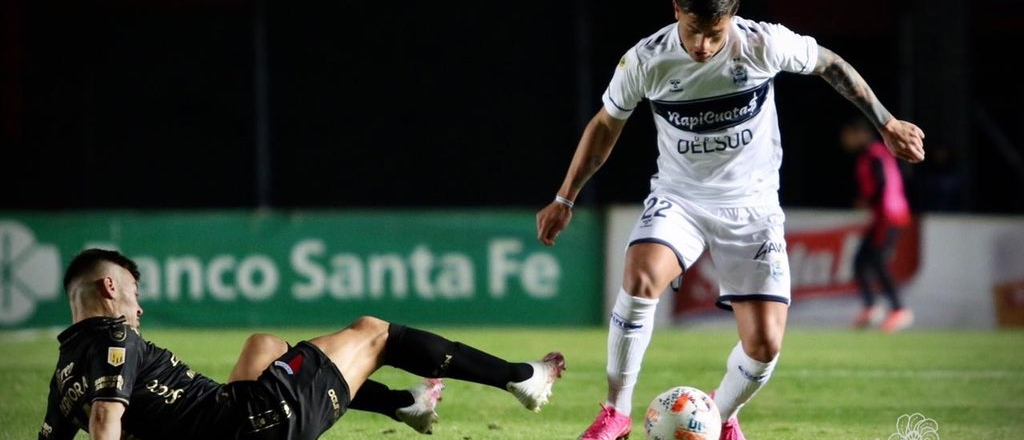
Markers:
point(243, 104)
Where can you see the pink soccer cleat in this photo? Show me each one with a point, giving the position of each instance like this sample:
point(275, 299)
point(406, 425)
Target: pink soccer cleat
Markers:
point(731, 430)
point(867, 317)
point(898, 320)
point(609, 425)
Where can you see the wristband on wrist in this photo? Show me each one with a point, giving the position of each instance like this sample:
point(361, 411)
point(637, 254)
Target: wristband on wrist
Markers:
point(568, 203)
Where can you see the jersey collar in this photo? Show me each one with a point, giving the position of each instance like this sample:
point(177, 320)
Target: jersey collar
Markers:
point(86, 324)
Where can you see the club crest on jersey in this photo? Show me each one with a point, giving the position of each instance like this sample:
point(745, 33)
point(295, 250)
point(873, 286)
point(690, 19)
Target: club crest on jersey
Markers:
point(739, 74)
point(118, 333)
point(115, 356)
point(676, 83)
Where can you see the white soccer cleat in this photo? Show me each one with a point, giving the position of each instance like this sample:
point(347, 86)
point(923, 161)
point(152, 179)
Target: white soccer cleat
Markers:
point(535, 391)
point(421, 415)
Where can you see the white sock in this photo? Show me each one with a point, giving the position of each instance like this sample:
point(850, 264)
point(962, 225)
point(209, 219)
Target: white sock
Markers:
point(629, 332)
point(743, 377)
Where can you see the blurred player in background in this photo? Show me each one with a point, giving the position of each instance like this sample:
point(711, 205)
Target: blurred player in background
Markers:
point(708, 78)
point(113, 383)
point(880, 189)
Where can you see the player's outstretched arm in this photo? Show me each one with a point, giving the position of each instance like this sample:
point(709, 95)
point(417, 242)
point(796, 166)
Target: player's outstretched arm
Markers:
point(904, 139)
point(595, 145)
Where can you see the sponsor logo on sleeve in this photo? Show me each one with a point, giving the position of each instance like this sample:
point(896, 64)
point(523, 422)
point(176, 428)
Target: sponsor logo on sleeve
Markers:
point(109, 382)
point(74, 391)
point(64, 375)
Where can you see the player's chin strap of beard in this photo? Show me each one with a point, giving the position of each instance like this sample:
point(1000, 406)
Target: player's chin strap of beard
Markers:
point(262, 419)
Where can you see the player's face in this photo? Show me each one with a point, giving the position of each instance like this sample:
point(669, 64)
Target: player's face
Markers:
point(702, 40)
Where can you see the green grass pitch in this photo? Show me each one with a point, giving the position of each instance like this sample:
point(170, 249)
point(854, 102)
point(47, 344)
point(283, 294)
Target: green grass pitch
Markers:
point(828, 384)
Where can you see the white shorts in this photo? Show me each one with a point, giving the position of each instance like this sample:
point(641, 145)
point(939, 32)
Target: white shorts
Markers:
point(747, 245)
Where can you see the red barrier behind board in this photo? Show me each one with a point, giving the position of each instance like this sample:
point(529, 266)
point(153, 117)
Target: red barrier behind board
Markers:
point(820, 262)
point(1010, 303)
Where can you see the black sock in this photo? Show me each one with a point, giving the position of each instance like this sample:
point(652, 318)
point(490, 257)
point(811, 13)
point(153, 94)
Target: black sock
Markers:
point(429, 355)
point(377, 397)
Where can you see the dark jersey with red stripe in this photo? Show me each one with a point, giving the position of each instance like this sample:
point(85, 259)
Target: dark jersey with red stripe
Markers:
point(104, 359)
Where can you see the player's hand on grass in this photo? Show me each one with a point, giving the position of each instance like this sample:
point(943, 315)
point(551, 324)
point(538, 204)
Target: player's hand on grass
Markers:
point(904, 139)
point(551, 221)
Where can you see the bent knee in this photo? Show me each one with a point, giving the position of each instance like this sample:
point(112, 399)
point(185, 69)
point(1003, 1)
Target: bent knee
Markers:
point(644, 283)
point(763, 349)
point(265, 343)
point(369, 324)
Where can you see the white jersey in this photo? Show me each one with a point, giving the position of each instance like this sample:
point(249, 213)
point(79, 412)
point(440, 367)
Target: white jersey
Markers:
point(718, 130)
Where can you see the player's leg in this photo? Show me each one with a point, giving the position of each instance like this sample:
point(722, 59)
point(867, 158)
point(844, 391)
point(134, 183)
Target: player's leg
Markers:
point(761, 326)
point(899, 316)
point(864, 272)
point(749, 252)
point(649, 269)
point(370, 342)
point(878, 262)
point(258, 352)
point(357, 352)
point(431, 355)
point(665, 239)
point(261, 349)
point(415, 406)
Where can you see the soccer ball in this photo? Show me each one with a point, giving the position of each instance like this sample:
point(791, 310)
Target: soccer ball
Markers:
point(683, 413)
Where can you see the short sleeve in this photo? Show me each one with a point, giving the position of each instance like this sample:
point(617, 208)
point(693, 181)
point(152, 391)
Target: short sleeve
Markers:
point(788, 51)
point(625, 90)
point(114, 364)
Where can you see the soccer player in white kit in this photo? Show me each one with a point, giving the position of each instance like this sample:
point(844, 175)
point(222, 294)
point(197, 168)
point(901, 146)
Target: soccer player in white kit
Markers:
point(708, 79)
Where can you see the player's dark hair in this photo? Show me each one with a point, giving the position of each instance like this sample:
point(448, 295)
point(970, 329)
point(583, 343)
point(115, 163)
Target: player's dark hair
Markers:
point(88, 259)
point(709, 11)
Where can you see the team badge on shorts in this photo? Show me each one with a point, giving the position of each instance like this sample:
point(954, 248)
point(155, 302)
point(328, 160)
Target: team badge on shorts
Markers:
point(775, 266)
point(291, 366)
point(774, 254)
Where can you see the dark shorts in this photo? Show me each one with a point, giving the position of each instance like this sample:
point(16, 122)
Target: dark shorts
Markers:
point(298, 397)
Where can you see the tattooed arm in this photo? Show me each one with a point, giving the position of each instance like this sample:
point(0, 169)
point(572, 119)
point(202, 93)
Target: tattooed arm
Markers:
point(904, 139)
